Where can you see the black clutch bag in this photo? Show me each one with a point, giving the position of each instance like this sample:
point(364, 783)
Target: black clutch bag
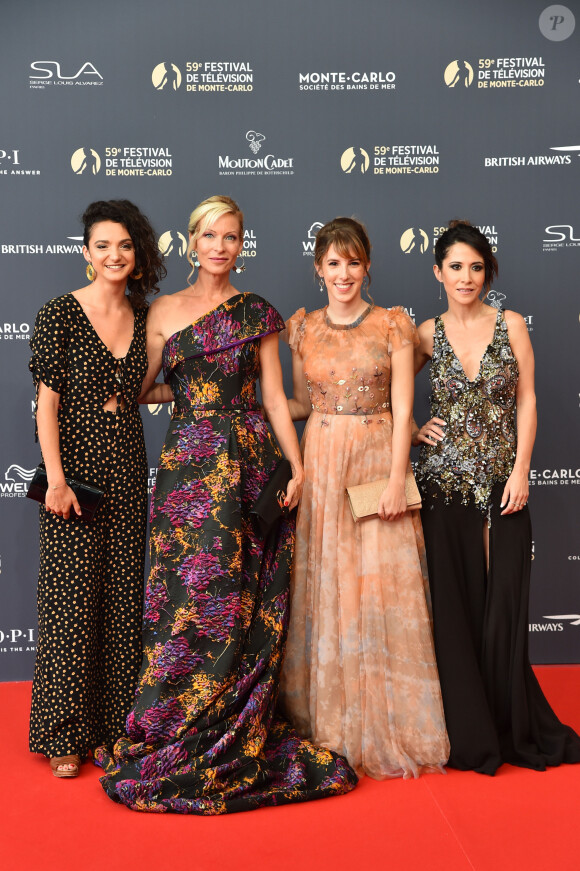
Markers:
point(89, 497)
point(269, 507)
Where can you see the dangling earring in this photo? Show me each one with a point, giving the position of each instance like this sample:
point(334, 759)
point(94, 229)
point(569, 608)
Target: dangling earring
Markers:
point(91, 272)
point(193, 259)
point(240, 268)
point(440, 286)
point(321, 284)
point(136, 275)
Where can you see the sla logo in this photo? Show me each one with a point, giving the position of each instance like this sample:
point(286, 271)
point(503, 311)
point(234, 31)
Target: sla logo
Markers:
point(255, 140)
point(48, 72)
point(560, 236)
point(85, 159)
point(458, 72)
point(166, 74)
point(557, 23)
point(414, 239)
point(17, 480)
point(354, 158)
point(170, 242)
point(308, 246)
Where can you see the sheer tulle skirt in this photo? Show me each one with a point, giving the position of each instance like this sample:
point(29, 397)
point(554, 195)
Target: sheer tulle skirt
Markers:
point(359, 675)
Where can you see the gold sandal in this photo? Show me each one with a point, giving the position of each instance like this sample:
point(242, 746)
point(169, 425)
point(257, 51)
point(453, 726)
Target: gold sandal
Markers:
point(73, 760)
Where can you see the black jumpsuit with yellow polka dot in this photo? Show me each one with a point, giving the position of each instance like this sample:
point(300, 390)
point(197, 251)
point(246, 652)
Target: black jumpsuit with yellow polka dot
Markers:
point(90, 584)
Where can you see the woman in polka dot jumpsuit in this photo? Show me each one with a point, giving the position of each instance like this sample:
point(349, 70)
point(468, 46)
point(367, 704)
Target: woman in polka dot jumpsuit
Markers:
point(88, 362)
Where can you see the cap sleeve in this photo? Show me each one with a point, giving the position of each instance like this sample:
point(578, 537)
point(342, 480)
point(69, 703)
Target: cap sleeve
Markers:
point(295, 327)
point(49, 344)
point(401, 330)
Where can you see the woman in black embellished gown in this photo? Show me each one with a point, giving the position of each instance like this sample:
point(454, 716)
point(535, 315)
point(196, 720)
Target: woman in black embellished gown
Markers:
point(473, 473)
point(203, 736)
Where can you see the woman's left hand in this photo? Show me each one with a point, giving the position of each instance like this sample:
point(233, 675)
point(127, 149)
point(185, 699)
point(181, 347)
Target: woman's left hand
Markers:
point(294, 490)
point(393, 502)
point(516, 492)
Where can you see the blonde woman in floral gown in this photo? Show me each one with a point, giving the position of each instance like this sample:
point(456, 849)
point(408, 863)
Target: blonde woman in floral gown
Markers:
point(203, 736)
point(359, 675)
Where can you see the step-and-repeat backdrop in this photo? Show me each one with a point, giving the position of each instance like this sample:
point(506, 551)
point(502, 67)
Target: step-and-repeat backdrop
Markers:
point(402, 114)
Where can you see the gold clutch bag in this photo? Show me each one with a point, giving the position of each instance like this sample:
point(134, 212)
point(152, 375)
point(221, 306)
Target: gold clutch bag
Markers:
point(364, 498)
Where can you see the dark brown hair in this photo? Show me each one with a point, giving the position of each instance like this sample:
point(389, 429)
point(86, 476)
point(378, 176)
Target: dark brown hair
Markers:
point(148, 258)
point(463, 231)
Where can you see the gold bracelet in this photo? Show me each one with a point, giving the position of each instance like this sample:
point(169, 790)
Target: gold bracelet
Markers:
point(58, 486)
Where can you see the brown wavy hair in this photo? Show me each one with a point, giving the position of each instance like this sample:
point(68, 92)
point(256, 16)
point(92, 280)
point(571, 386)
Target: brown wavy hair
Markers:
point(348, 236)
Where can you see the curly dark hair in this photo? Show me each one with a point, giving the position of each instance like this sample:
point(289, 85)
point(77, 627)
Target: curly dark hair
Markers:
point(463, 231)
point(148, 258)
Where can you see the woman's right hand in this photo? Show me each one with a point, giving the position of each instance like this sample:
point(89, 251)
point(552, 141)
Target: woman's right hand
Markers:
point(430, 433)
point(62, 502)
point(294, 490)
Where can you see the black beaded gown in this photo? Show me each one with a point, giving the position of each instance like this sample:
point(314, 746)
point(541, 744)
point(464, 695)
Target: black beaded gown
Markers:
point(494, 707)
point(90, 586)
point(203, 736)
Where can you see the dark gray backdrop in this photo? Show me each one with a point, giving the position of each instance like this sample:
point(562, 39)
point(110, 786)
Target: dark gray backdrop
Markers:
point(307, 90)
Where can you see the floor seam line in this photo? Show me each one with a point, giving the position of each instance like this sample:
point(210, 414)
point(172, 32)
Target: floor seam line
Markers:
point(450, 827)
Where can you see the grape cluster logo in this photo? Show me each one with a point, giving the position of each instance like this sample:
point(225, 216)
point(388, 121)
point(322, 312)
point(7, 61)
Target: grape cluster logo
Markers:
point(255, 139)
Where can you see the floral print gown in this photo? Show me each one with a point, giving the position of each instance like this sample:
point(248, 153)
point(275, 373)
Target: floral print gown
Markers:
point(203, 736)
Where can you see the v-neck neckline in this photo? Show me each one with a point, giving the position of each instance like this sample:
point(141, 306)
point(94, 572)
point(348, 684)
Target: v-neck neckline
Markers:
point(94, 329)
point(487, 347)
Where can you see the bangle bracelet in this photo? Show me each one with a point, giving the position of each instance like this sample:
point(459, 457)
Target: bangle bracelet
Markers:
point(58, 486)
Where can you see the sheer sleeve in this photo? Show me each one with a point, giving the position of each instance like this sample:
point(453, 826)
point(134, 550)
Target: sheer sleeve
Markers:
point(295, 327)
point(400, 329)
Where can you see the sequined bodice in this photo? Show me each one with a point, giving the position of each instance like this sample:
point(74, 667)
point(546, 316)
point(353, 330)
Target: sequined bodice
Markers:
point(480, 436)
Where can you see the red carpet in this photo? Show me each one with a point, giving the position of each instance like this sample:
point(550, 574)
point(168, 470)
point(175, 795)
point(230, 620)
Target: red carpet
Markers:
point(456, 822)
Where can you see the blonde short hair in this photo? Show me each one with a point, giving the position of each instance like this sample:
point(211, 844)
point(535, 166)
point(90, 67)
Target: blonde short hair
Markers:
point(207, 213)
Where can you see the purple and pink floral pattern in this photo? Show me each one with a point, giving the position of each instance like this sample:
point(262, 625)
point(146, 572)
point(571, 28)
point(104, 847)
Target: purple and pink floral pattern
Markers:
point(204, 736)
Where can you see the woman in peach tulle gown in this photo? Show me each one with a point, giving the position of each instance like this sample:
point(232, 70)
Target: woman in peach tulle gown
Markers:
point(360, 674)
